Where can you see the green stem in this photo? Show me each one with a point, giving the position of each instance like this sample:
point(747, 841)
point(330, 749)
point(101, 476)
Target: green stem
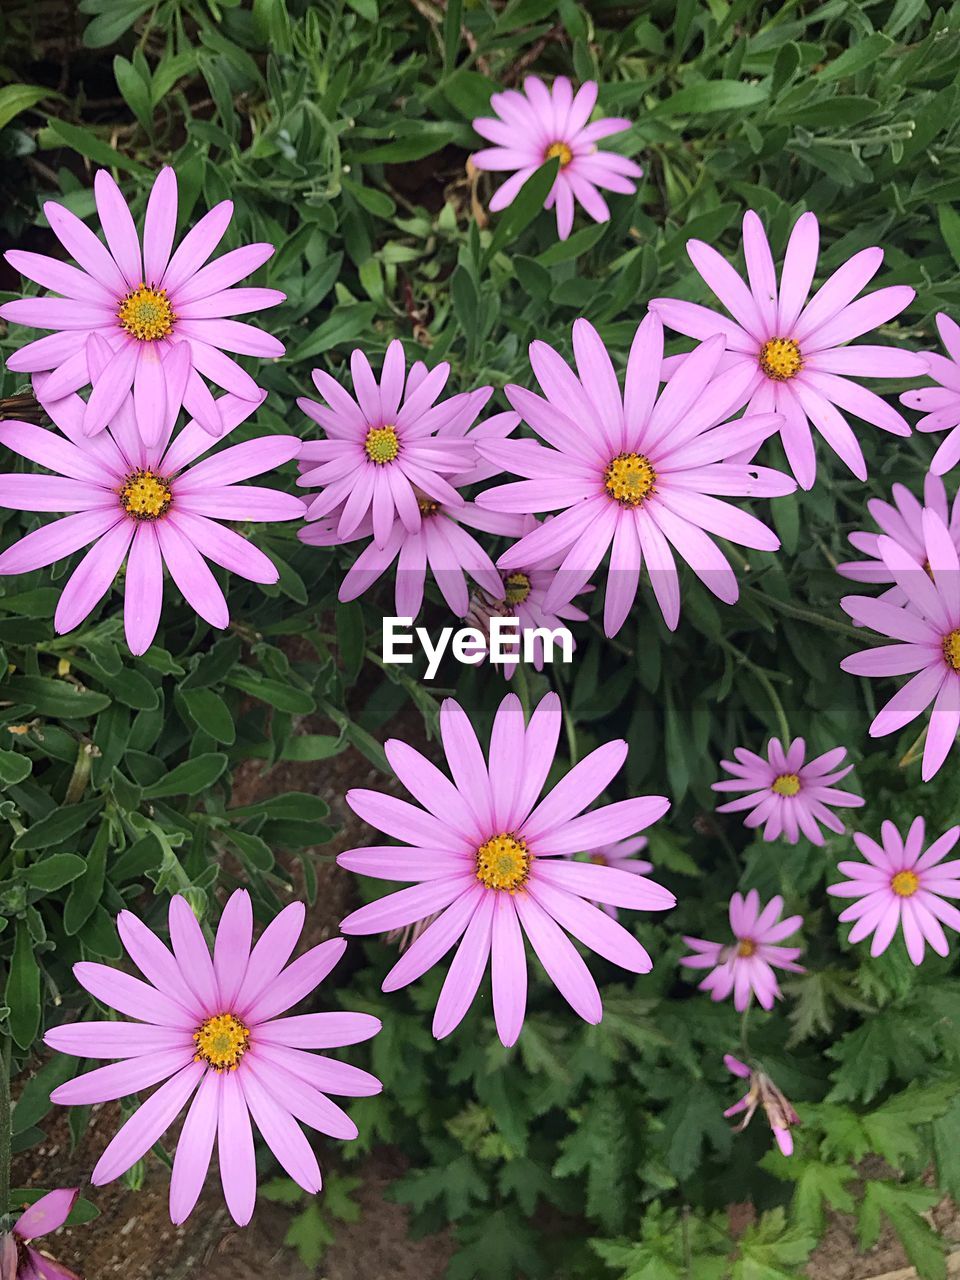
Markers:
point(809, 615)
point(523, 690)
point(569, 727)
point(81, 774)
point(767, 685)
point(6, 1123)
point(744, 1038)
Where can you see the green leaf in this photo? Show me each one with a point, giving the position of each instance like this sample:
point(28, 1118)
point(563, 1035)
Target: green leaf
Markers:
point(902, 1205)
point(135, 91)
point(23, 989)
point(14, 767)
point(426, 141)
point(15, 98)
point(528, 203)
point(53, 872)
point(580, 242)
point(54, 698)
point(59, 133)
point(208, 711)
point(949, 221)
point(711, 95)
point(189, 778)
point(58, 826)
point(291, 804)
point(85, 893)
point(865, 53)
point(284, 697)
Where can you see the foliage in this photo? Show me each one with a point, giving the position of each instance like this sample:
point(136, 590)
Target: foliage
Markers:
point(341, 130)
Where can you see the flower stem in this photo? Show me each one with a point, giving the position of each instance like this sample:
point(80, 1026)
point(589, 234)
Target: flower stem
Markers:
point(523, 690)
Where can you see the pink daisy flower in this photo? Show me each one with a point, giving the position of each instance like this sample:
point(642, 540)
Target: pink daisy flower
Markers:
point(745, 966)
point(540, 124)
point(762, 1093)
point(145, 304)
point(146, 504)
point(789, 351)
point(902, 522)
point(901, 884)
point(497, 865)
point(441, 541)
point(622, 856)
point(18, 1259)
point(522, 596)
point(785, 795)
point(940, 405)
point(379, 453)
point(208, 1028)
point(633, 474)
point(927, 632)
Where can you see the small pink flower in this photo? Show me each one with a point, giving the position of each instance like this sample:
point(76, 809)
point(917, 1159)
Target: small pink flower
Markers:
point(745, 966)
point(441, 541)
point(208, 1029)
point(18, 1259)
point(539, 124)
point(927, 632)
point(903, 523)
point(496, 864)
point(785, 795)
point(145, 305)
point(940, 405)
point(789, 352)
point(384, 459)
point(632, 473)
point(147, 505)
point(622, 855)
point(901, 884)
point(762, 1093)
point(522, 596)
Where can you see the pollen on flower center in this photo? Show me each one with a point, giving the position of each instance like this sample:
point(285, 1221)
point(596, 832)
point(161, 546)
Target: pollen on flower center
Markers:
point(746, 948)
point(780, 359)
point(503, 862)
point(559, 149)
point(428, 507)
point(629, 478)
point(516, 587)
point(221, 1042)
point(147, 314)
point(905, 884)
point(381, 445)
point(145, 496)
point(951, 649)
point(787, 784)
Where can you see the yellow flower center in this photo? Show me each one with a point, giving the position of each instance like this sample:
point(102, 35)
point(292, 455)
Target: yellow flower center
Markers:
point(746, 948)
point(381, 444)
point(559, 149)
point(780, 359)
point(503, 862)
point(787, 784)
point(221, 1042)
point(905, 884)
point(951, 649)
point(516, 588)
point(145, 496)
point(147, 314)
point(630, 478)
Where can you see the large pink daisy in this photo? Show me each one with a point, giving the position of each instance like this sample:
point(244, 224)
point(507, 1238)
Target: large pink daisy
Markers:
point(391, 447)
point(496, 864)
point(791, 350)
point(902, 521)
point(208, 1028)
point(785, 794)
point(902, 884)
point(145, 303)
point(927, 632)
point(540, 124)
point(148, 505)
point(745, 967)
point(634, 474)
point(940, 405)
